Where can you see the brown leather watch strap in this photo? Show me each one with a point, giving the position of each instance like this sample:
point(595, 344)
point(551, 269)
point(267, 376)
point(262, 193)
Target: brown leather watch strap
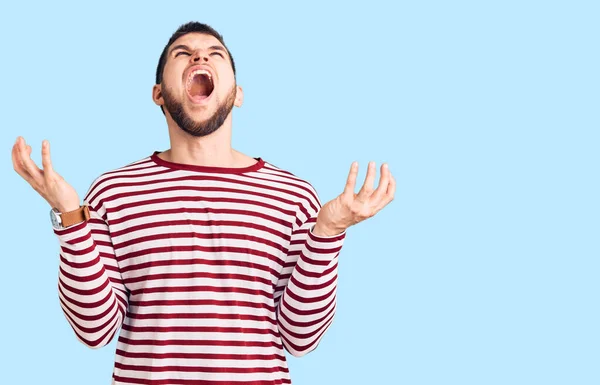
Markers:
point(76, 216)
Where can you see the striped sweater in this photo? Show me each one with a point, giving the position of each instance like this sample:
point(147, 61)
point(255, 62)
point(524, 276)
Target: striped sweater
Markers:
point(208, 272)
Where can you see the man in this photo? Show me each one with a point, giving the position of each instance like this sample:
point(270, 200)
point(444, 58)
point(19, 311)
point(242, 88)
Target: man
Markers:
point(211, 262)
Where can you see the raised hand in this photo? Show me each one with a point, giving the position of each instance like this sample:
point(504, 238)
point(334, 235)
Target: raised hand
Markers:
point(349, 208)
point(50, 185)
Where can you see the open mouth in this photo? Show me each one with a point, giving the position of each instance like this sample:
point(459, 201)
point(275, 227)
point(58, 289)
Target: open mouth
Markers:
point(199, 85)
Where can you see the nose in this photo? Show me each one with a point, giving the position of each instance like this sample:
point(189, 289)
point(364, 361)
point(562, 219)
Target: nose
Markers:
point(199, 57)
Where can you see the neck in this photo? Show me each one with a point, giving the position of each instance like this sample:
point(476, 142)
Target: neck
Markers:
point(213, 150)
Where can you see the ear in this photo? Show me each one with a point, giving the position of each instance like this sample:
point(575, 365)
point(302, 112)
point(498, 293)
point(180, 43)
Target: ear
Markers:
point(239, 97)
point(157, 95)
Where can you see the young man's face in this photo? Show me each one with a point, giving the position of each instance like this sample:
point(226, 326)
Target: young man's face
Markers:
point(198, 88)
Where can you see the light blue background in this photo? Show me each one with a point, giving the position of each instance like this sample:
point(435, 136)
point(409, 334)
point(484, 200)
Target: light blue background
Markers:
point(483, 270)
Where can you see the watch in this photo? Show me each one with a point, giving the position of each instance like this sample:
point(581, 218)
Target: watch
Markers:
point(63, 220)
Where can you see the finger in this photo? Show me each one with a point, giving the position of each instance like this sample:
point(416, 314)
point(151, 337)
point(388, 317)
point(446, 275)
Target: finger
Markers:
point(383, 184)
point(29, 165)
point(46, 162)
point(389, 195)
point(21, 170)
point(351, 181)
point(17, 165)
point(391, 191)
point(367, 188)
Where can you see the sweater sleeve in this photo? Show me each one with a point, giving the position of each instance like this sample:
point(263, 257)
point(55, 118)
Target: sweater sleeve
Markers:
point(91, 291)
point(305, 296)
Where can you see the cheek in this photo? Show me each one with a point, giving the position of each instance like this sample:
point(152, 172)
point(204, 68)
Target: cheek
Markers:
point(172, 78)
point(175, 82)
point(225, 85)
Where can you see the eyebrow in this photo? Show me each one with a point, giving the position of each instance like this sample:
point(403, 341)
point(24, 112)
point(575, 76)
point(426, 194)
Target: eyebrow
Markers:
point(217, 48)
point(185, 47)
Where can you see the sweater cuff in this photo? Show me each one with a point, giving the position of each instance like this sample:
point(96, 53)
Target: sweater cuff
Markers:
point(71, 233)
point(324, 247)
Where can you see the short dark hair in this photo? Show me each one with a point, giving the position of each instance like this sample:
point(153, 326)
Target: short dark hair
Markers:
point(184, 29)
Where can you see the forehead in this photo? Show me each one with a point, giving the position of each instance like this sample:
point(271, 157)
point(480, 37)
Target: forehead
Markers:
point(197, 40)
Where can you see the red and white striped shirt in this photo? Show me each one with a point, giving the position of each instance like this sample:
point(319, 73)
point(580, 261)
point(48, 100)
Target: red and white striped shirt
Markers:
point(210, 272)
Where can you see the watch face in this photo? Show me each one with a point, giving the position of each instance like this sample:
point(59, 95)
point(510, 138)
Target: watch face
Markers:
point(55, 218)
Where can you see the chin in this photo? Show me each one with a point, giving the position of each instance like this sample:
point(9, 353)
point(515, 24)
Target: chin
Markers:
point(199, 113)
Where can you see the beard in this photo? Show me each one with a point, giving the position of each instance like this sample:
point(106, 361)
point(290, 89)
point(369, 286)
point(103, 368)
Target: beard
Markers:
point(187, 122)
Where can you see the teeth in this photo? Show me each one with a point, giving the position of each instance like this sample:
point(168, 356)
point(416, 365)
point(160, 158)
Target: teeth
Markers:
point(198, 72)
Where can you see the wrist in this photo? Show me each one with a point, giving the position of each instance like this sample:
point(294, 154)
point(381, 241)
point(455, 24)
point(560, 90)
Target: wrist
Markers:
point(326, 231)
point(62, 220)
point(65, 208)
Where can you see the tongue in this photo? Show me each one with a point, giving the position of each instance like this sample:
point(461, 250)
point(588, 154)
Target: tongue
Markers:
point(200, 87)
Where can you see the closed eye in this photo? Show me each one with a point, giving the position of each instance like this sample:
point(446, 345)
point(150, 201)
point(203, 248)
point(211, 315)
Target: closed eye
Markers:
point(217, 53)
point(182, 52)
